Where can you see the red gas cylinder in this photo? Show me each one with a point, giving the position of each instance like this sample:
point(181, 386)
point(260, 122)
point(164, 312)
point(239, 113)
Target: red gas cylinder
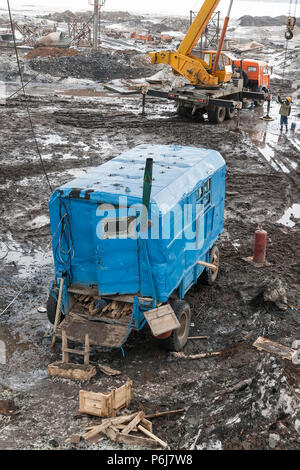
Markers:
point(164, 335)
point(260, 246)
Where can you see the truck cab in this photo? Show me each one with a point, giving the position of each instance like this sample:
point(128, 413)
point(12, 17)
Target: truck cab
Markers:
point(259, 73)
point(224, 69)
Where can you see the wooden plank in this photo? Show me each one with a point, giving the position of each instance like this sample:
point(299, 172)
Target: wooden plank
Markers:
point(197, 337)
point(131, 440)
point(146, 424)
point(163, 413)
point(64, 347)
point(87, 350)
point(213, 267)
point(57, 313)
point(100, 333)
point(181, 355)
point(162, 319)
point(264, 344)
point(84, 291)
point(108, 370)
point(96, 430)
point(163, 444)
point(134, 422)
point(71, 371)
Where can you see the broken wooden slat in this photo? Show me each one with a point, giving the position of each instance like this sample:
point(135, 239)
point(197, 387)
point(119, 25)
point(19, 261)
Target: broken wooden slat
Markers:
point(163, 444)
point(195, 356)
point(134, 422)
point(163, 413)
point(108, 370)
point(131, 440)
point(71, 371)
point(211, 266)
point(197, 337)
point(146, 424)
point(274, 348)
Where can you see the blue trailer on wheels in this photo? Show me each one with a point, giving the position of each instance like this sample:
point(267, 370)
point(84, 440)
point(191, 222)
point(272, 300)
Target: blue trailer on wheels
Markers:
point(119, 273)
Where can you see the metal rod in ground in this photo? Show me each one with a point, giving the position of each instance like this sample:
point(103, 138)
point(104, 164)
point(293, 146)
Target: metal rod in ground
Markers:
point(268, 117)
point(57, 314)
point(143, 101)
point(96, 25)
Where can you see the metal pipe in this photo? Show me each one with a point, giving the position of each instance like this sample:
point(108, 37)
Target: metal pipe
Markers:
point(96, 24)
point(222, 38)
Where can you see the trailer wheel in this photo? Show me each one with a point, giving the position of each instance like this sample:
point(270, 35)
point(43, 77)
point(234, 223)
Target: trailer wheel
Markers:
point(230, 112)
point(178, 338)
point(208, 277)
point(51, 310)
point(216, 114)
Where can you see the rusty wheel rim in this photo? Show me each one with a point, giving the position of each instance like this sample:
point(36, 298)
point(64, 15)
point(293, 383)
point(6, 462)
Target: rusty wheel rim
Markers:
point(183, 325)
point(215, 260)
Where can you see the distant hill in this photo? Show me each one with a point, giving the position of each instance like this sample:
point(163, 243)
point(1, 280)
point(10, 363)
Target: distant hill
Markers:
point(248, 20)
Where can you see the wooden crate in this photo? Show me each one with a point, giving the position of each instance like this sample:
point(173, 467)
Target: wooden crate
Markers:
point(162, 319)
point(106, 404)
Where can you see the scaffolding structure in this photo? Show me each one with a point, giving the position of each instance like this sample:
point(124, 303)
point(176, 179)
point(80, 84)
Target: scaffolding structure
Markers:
point(210, 38)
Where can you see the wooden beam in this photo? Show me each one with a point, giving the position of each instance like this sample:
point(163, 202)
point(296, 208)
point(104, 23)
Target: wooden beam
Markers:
point(152, 436)
point(134, 422)
point(164, 413)
point(57, 313)
point(213, 267)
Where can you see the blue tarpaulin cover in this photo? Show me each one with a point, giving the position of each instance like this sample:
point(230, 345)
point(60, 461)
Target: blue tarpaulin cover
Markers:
point(176, 171)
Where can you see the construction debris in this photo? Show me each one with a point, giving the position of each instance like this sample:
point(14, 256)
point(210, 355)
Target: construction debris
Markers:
point(264, 344)
point(164, 413)
point(51, 52)
point(105, 404)
point(108, 370)
point(55, 39)
point(181, 355)
point(118, 430)
point(8, 408)
point(67, 370)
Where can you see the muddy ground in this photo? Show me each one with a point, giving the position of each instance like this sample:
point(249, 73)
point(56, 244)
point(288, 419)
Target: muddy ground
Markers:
point(241, 399)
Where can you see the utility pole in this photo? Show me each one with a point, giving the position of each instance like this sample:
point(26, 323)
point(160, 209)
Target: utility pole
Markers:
point(96, 25)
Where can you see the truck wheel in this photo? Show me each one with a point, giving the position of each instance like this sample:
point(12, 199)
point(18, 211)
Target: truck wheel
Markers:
point(178, 338)
point(51, 310)
point(230, 113)
point(216, 114)
point(259, 103)
point(208, 277)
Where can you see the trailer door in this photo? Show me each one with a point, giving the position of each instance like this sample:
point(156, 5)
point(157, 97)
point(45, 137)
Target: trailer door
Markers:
point(117, 262)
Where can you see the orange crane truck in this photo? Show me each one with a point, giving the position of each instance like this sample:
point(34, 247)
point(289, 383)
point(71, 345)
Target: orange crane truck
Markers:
point(214, 88)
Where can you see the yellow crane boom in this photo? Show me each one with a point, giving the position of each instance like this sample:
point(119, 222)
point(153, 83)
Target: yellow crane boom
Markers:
point(183, 63)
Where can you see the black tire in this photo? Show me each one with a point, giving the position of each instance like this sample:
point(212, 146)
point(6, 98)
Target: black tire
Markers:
point(230, 113)
point(51, 310)
point(259, 103)
point(178, 338)
point(216, 114)
point(208, 277)
point(184, 111)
